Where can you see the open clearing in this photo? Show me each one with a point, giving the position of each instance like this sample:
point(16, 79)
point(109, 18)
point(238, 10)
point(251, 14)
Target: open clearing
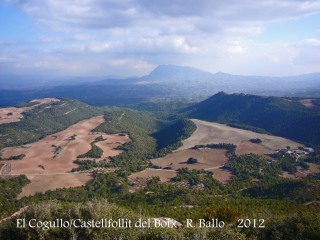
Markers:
point(207, 159)
point(13, 114)
point(55, 154)
point(43, 183)
point(211, 160)
point(314, 168)
point(307, 102)
point(210, 132)
point(140, 179)
point(301, 173)
point(111, 143)
point(165, 175)
point(221, 174)
point(246, 147)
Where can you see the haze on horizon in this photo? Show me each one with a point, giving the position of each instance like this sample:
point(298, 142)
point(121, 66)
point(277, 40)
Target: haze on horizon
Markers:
point(131, 37)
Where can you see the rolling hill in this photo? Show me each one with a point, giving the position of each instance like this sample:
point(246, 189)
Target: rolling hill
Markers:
point(286, 117)
point(44, 120)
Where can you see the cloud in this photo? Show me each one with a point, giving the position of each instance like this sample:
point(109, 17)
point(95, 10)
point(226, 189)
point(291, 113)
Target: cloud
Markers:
point(103, 35)
point(80, 14)
point(106, 14)
point(236, 49)
point(311, 42)
point(134, 63)
point(44, 39)
point(99, 47)
point(308, 52)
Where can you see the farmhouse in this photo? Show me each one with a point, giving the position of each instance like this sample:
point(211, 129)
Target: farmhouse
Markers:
point(284, 152)
point(300, 152)
point(308, 149)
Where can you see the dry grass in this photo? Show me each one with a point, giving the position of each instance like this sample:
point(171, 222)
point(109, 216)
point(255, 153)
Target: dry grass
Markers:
point(111, 143)
point(53, 155)
point(307, 102)
point(301, 173)
point(213, 159)
point(210, 132)
point(246, 147)
point(43, 183)
point(286, 174)
point(43, 157)
point(222, 175)
point(207, 158)
point(164, 175)
point(314, 168)
point(15, 114)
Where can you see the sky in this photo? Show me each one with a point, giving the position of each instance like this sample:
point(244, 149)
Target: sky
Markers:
point(132, 37)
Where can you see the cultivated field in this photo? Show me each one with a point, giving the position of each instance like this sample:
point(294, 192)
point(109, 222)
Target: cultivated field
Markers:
point(111, 143)
point(165, 175)
point(301, 173)
point(43, 183)
point(13, 114)
point(55, 154)
point(221, 174)
point(214, 159)
point(139, 180)
point(307, 102)
point(207, 159)
point(246, 147)
point(314, 168)
point(210, 132)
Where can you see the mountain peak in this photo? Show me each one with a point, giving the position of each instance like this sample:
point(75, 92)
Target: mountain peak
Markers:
point(168, 72)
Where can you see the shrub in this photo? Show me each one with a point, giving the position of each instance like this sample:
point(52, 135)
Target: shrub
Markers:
point(192, 160)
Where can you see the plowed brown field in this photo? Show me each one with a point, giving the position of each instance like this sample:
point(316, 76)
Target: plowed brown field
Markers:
point(53, 155)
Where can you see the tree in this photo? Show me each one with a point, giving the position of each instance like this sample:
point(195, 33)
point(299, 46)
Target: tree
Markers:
point(256, 140)
point(224, 212)
point(192, 160)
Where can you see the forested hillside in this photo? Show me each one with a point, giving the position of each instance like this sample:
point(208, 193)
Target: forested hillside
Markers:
point(10, 188)
point(170, 138)
point(44, 120)
point(285, 117)
point(150, 137)
point(139, 126)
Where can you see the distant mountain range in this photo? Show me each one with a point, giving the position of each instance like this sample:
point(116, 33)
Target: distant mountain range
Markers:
point(200, 83)
point(163, 83)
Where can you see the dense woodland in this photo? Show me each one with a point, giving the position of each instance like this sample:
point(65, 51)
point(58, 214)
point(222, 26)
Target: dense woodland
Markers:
point(10, 188)
point(95, 151)
point(139, 126)
point(169, 138)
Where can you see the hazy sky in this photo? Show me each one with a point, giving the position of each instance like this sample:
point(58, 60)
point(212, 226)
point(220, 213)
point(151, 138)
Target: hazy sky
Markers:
point(131, 37)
